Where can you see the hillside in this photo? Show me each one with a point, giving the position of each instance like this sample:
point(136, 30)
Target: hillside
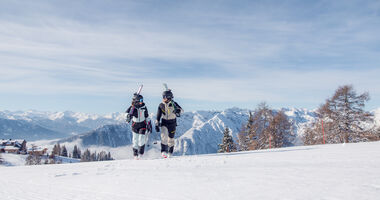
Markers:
point(341, 171)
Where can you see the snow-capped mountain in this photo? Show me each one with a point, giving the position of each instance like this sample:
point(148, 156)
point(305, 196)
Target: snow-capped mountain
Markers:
point(54, 124)
point(20, 129)
point(208, 133)
point(198, 132)
point(108, 135)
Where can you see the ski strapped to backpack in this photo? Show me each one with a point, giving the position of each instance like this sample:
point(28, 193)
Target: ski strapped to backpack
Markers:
point(133, 105)
point(172, 101)
point(137, 93)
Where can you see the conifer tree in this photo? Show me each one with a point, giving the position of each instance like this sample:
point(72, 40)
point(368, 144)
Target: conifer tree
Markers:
point(86, 157)
point(246, 135)
point(23, 148)
point(109, 157)
point(228, 144)
point(64, 151)
point(76, 152)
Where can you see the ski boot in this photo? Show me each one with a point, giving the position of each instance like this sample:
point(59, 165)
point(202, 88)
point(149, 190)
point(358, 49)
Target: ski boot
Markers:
point(164, 155)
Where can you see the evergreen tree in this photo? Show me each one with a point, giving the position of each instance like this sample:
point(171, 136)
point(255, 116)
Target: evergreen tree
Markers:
point(228, 144)
point(76, 152)
point(109, 157)
point(246, 135)
point(64, 151)
point(23, 148)
point(86, 157)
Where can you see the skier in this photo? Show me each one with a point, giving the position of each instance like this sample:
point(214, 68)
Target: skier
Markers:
point(141, 125)
point(167, 114)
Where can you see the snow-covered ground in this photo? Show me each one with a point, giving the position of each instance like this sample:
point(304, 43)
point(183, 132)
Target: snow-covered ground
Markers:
point(11, 159)
point(341, 171)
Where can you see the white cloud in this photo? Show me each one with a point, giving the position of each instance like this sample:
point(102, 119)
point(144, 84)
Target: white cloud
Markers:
point(264, 52)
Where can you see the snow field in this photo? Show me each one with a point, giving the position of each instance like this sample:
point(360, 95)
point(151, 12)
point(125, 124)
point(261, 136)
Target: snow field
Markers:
point(348, 171)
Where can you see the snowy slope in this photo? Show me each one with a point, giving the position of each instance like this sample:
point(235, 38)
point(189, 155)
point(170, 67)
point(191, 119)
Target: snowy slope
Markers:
point(339, 171)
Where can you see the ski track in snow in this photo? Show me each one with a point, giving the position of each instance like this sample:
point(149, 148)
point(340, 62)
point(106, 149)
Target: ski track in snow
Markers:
point(348, 171)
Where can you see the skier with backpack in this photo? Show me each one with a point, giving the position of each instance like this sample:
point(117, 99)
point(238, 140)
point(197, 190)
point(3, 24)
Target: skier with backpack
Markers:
point(141, 125)
point(167, 114)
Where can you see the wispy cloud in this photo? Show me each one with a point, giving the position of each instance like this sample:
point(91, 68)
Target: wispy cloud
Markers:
point(292, 52)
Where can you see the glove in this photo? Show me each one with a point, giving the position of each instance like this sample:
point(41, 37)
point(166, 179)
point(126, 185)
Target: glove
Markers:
point(158, 124)
point(149, 127)
point(157, 129)
point(128, 118)
point(178, 112)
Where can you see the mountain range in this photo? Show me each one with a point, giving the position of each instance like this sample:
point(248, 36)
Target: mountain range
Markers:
point(198, 132)
point(36, 125)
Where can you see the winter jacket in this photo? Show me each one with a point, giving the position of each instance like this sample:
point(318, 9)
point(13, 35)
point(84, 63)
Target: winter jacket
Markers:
point(168, 112)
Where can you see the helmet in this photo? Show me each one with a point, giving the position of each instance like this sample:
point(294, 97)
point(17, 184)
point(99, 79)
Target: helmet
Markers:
point(168, 94)
point(137, 98)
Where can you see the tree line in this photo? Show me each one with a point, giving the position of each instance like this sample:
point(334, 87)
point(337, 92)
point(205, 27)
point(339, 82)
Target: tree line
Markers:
point(341, 119)
point(61, 151)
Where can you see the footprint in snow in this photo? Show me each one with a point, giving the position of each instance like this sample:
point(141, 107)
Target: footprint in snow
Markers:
point(60, 175)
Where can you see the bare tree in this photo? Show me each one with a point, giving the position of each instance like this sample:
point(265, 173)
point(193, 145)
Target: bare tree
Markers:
point(260, 133)
point(57, 150)
point(280, 129)
point(343, 118)
point(265, 128)
point(33, 159)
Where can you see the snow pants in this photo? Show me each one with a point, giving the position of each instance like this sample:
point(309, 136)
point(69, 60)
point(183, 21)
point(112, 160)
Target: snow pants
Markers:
point(167, 137)
point(138, 140)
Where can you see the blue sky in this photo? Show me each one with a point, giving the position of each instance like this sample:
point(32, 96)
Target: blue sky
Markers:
point(90, 56)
